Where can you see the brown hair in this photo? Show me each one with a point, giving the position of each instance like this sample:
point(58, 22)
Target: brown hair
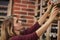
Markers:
point(7, 28)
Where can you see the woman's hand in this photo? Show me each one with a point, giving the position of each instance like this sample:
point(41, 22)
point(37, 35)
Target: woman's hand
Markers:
point(54, 12)
point(49, 6)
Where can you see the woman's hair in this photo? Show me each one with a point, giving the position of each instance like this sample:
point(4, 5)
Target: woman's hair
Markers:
point(7, 28)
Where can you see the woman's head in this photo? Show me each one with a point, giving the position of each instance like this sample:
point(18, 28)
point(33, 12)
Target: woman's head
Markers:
point(9, 25)
point(17, 24)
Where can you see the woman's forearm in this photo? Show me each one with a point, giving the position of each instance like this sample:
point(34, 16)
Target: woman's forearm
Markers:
point(44, 27)
point(43, 18)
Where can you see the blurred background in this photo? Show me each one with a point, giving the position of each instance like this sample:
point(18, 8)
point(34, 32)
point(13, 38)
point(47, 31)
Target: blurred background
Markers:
point(28, 11)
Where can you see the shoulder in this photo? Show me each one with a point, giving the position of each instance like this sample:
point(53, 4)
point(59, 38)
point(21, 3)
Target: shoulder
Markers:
point(32, 36)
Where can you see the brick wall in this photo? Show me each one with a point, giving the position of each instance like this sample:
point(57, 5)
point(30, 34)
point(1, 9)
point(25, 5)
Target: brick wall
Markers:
point(25, 10)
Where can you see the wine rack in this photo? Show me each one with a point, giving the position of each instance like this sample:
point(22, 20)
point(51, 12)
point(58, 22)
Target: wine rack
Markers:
point(5, 10)
point(52, 32)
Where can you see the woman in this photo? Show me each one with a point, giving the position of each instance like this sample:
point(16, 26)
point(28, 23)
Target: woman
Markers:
point(10, 30)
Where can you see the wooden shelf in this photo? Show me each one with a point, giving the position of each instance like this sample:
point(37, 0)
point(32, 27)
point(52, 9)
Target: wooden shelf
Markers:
point(3, 6)
point(2, 11)
point(2, 16)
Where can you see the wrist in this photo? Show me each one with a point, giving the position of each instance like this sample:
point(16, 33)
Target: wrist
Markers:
point(48, 11)
point(49, 21)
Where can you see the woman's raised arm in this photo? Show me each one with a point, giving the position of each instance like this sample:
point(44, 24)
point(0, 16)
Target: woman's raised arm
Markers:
point(44, 16)
point(44, 27)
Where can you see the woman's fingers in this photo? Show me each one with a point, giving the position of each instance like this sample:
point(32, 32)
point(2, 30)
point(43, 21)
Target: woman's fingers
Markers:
point(54, 12)
point(55, 6)
point(49, 6)
point(49, 3)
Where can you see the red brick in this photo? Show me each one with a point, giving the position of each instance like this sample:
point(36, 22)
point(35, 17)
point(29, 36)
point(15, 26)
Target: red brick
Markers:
point(17, 5)
point(24, 2)
point(16, 8)
point(32, 14)
point(23, 5)
point(28, 2)
point(18, 1)
point(25, 9)
point(31, 2)
point(27, 17)
point(15, 12)
point(31, 6)
point(23, 13)
point(20, 5)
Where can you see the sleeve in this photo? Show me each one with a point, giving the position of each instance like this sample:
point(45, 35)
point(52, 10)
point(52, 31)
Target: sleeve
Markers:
point(32, 36)
point(32, 29)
